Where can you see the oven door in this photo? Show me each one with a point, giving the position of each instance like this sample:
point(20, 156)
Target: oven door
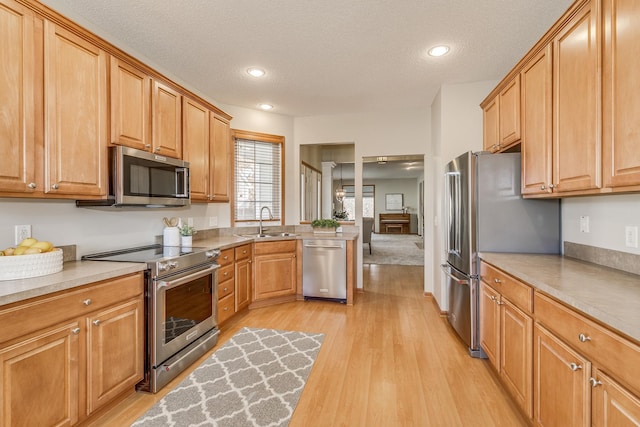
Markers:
point(184, 307)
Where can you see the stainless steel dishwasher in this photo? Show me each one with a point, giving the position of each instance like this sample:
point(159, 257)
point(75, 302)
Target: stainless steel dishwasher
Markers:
point(324, 269)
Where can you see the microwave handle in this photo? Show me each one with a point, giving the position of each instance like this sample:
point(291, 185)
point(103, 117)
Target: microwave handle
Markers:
point(182, 173)
point(169, 284)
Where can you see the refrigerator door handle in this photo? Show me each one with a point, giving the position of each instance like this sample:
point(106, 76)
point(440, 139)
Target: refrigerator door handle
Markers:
point(445, 268)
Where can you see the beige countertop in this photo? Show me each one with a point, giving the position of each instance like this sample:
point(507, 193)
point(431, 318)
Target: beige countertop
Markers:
point(79, 273)
point(607, 295)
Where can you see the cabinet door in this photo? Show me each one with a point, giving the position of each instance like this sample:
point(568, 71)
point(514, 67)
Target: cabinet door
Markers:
point(115, 344)
point(221, 159)
point(39, 379)
point(576, 93)
point(195, 129)
point(243, 284)
point(613, 406)
point(275, 275)
point(18, 89)
point(516, 356)
point(536, 146)
point(130, 106)
point(491, 126)
point(509, 116)
point(490, 323)
point(621, 106)
point(75, 73)
point(561, 383)
point(167, 121)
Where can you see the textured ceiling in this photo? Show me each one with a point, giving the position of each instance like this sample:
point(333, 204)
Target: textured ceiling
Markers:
point(325, 56)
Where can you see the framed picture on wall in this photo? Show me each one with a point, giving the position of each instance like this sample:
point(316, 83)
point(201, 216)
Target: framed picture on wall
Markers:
point(394, 201)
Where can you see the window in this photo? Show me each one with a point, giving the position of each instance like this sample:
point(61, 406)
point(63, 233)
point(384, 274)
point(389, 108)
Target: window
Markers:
point(368, 201)
point(258, 165)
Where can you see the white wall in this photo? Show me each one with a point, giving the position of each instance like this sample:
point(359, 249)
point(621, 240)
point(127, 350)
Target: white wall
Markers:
point(608, 217)
point(407, 186)
point(457, 128)
point(374, 134)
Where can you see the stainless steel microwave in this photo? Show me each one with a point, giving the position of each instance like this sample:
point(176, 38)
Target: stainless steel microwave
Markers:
point(140, 178)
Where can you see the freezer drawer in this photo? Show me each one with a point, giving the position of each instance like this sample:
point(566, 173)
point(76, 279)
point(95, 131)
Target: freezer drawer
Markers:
point(324, 269)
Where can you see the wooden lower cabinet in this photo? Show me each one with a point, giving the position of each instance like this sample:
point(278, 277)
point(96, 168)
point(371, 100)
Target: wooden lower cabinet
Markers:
point(505, 336)
point(561, 382)
point(114, 349)
point(275, 271)
point(234, 280)
point(613, 406)
point(58, 371)
point(40, 378)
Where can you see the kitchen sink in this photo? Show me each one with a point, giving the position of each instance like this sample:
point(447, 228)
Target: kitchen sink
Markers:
point(265, 235)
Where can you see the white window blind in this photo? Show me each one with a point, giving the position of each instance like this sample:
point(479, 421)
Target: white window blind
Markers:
point(258, 179)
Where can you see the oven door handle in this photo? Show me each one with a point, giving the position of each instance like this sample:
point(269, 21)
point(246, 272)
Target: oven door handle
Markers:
point(168, 284)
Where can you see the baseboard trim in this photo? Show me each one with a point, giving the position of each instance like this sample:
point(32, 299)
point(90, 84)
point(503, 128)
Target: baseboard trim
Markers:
point(429, 295)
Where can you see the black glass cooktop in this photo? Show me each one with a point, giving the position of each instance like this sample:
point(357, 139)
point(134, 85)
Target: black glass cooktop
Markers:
point(144, 254)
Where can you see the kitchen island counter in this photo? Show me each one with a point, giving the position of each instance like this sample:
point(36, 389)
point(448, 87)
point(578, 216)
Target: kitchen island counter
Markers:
point(609, 296)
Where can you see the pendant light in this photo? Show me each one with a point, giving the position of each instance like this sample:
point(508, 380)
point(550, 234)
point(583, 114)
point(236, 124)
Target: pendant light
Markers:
point(340, 191)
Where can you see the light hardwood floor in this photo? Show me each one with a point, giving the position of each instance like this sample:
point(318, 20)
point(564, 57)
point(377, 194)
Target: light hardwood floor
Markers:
point(390, 360)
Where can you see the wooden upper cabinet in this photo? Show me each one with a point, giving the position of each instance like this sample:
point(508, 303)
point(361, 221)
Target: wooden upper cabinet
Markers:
point(167, 120)
point(491, 121)
point(576, 96)
point(20, 90)
point(536, 105)
point(220, 159)
point(75, 81)
point(509, 117)
point(130, 106)
point(621, 106)
point(196, 147)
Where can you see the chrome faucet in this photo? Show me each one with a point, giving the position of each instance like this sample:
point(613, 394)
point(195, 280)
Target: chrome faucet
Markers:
point(260, 230)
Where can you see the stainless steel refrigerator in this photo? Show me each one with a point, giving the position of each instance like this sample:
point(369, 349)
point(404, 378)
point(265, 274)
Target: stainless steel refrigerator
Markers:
point(484, 211)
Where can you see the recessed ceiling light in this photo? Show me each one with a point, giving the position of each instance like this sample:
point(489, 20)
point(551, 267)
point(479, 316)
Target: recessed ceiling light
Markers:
point(256, 72)
point(266, 106)
point(439, 50)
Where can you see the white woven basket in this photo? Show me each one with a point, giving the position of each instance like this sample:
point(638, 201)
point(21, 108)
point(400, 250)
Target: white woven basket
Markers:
point(34, 265)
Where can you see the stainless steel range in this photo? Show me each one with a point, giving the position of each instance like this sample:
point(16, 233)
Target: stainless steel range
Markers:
point(180, 307)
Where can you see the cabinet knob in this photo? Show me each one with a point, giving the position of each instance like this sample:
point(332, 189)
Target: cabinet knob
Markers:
point(584, 338)
point(552, 186)
point(32, 185)
point(542, 187)
point(492, 298)
point(594, 382)
point(55, 186)
point(574, 366)
point(147, 145)
point(225, 289)
point(157, 149)
point(75, 331)
point(226, 273)
point(497, 280)
point(87, 301)
point(96, 322)
point(226, 309)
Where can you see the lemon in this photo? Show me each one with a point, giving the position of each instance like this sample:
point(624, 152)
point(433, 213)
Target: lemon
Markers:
point(20, 250)
point(45, 246)
point(29, 241)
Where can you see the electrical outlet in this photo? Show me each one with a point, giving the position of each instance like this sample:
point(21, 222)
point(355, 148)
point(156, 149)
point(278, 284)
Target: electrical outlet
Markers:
point(213, 221)
point(22, 232)
point(631, 236)
point(584, 224)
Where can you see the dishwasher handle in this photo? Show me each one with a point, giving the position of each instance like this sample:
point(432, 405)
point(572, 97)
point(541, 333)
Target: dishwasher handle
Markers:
point(313, 244)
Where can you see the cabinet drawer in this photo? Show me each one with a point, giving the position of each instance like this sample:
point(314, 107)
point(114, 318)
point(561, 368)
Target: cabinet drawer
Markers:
point(225, 308)
point(281, 246)
point(225, 288)
point(516, 292)
point(225, 273)
point(243, 252)
point(608, 350)
point(226, 257)
point(26, 317)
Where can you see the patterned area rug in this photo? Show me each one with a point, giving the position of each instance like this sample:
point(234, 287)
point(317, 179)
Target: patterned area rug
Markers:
point(255, 379)
point(398, 249)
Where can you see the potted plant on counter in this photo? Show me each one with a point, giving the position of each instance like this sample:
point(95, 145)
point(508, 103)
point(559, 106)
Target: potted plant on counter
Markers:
point(186, 235)
point(324, 226)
